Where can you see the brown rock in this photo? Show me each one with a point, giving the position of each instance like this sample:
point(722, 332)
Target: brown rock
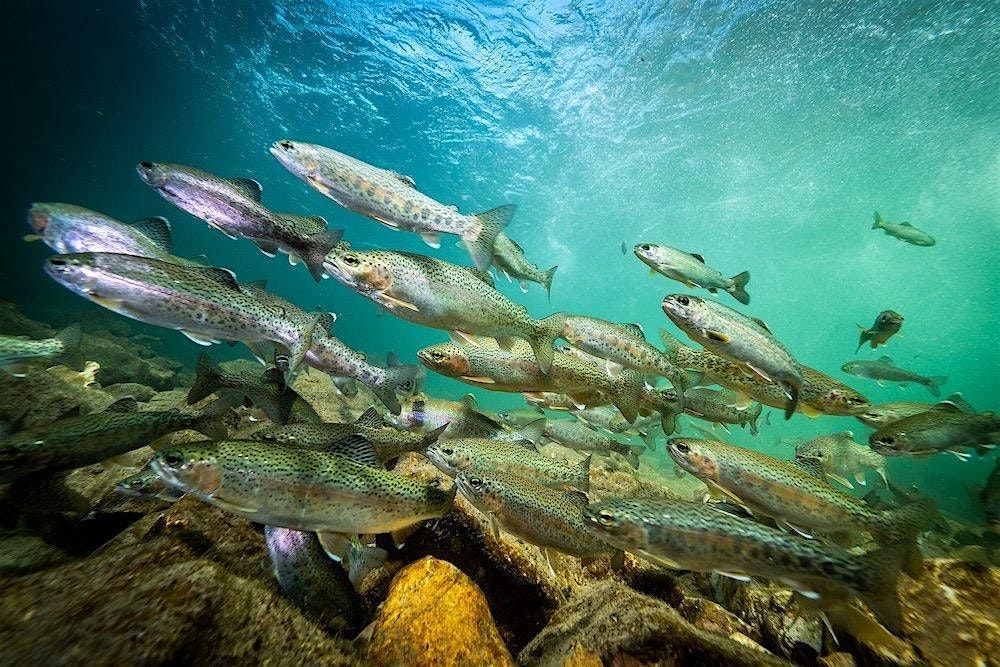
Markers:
point(435, 615)
point(620, 626)
point(836, 660)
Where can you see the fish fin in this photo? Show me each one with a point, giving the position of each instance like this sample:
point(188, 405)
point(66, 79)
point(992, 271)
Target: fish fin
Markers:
point(316, 248)
point(653, 272)
point(248, 187)
point(697, 257)
point(32, 237)
point(859, 477)
point(506, 343)
point(393, 302)
point(795, 529)
point(462, 338)
point(494, 526)
point(532, 431)
point(543, 340)
point(905, 224)
point(299, 349)
point(433, 239)
point(491, 223)
point(306, 225)
point(617, 560)
point(668, 422)
point(733, 575)
point(233, 507)
point(480, 379)
point(363, 559)
point(200, 339)
point(959, 402)
point(878, 586)
point(546, 281)
point(207, 379)
point(583, 470)
point(840, 480)
point(70, 338)
point(433, 436)
point(877, 222)
point(761, 323)
point(612, 369)
point(717, 336)
point(792, 392)
point(400, 536)
point(110, 304)
point(934, 383)
point(336, 545)
point(404, 179)
point(357, 448)
point(401, 377)
point(738, 290)
point(724, 427)
point(370, 418)
point(886, 360)
point(548, 553)
point(157, 230)
point(523, 285)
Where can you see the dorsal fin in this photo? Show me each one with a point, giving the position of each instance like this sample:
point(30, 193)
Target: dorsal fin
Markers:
point(257, 285)
point(357, 448)
point(126, 404)
point(370, 418)
point(306, 224)
point(697, 257)
point(905, 224)
point(762, 324)
point(885, 360)
point(156, 229)
point(578, 498)
point(947, 406)
point(634, 328)
point(248, 187)
point(959, 402)
point(404, 179)
point(325, 321)
point(469, 402)
point(221, 276)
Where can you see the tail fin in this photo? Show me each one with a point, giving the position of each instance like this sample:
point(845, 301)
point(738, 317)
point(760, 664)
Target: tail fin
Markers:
point(362, 559)
point(877, 587)
point(491, 223)
point(217, 424)
point(544, 339)
point(878, 221)
point(740, 281)
point(633, 455)
point(671, 344)
point(397, 376)
point(532, 432)
point(583, 470)
point(207, 379)
point(754, 413)
point(316, 248)
point(934, 383)
point(70, 338)
point(668, 420)
point(547, 281)
point(865, 336)
point(792, 392)
point(626, 394)
point(902, 525)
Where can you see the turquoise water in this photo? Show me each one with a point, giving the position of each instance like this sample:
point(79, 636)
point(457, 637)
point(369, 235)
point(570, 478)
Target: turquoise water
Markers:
point(761, 135)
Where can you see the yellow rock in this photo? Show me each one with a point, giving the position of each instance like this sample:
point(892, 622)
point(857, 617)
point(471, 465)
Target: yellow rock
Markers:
point(435, 615)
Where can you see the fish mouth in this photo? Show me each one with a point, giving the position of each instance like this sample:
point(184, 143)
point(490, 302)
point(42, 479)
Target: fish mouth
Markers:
point(151, 175)
point(39, 218)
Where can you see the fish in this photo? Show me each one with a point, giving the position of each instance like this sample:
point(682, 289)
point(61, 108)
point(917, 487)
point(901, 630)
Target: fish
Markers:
point(842, 458)
point(461, 419)
point(509, 257)
point(903, 231)
point(620, 346)
point(391, 198)
point(299, 488)
point(887, 324)
point(331, 355)
point(820, 393)
point(79, 441)
point(206, 304)
point(147, 485)
point(388, 442)
point(518, 417)
point(233, 206)
point(884, 370)
point(691, 270)
point(18, 352)
point(575, 435)
point(442, 295)
point(550, 400)
point(990, 498)
point(551, 519)
point(266, 388)
point(67, 228)
point(454, 456)
point(738, 338)
point(719, 407)
point(883, 414)
point(797, 500)
point(516, 371)
point(309, 578)
point(686, 535)
point(945, 427)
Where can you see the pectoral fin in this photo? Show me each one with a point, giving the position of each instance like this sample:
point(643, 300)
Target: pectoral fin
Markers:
point(393, 302)
point(198, 338)
point(233, 507)
point(433, 239)
point(717, 336)
point(478, 378)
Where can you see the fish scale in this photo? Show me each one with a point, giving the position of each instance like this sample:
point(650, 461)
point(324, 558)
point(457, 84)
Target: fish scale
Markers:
point(546, 517)
point(299, 488)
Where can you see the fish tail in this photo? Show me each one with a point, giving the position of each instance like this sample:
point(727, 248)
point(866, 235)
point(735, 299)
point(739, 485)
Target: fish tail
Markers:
point(544, 339)
point(865, 336)
point(217, 424)
point(345, 385)
point(583, 470)
point(317, 247)
point(791, 390)
point(398, 376)
point(491, 223)
point(879, 578)
point(878, 221)
point(754, 414)
point(70, 338)
point(547, 281)
point(533, 431)
point(668, 420)
point(902, 525)
point(633, 455)
point(671, 344)
point(738, 289)
point(934, 383)
point(207, 379)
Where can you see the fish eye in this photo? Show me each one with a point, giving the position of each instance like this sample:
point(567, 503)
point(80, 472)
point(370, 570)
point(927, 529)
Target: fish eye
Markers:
point(135, 484)
point(287, 145)
point(146, 165)
point(173, 459)
point(437, 356)
point(55, 261)
point(644, 246)
point(854, 400)
point(476, 482)
point(447, 451)
point(351, 260)
point(684, 301)
point(606, 517)
point(682, 448)
point(670, 395)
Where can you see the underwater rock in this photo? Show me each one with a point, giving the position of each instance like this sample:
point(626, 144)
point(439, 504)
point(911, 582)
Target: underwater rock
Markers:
point(20, 554)
point(41, 397)
point(710, 616)
point(319, 391)
point(434, 614)
point(187, 586)
point(139, 392)
point(616, 625)
point(123, 361)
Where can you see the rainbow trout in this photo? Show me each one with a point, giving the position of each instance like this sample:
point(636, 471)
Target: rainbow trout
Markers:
point(690, 268)
point(443, 296)
point(842, 458)
point(945, 427)
point(884, 370)
point(903, 231)
point(454, 456)
point(887, 324)
point(548, 518)
point(744, 340)
point(391, 198)
point(233, 207)
point(509, 257)
point(794, 498)
point(686, 535)
point(299, 488)
point(75, 442)
point(516, 371)
point(462, 419)
point(575, 435)
point(17, 352)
